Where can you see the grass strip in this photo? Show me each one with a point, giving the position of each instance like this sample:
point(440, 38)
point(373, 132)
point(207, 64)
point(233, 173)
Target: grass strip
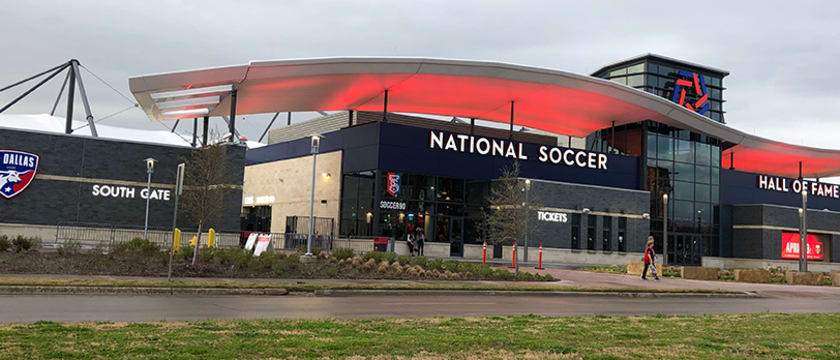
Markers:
point(304, 286)
point(741, 336)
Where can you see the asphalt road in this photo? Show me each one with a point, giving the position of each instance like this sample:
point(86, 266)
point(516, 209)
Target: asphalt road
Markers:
point(136, 308)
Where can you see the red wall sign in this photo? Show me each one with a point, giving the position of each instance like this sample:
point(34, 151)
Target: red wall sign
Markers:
point(790, 246)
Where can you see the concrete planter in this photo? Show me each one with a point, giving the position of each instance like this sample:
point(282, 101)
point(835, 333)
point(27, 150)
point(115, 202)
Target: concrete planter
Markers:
point(752, 275)
point(835, 278)
point(804, 278)
point(635, 268)
point(698, 273)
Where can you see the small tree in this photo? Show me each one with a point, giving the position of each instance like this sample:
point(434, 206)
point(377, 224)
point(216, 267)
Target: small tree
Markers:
point(205, 179)
point(506, 215)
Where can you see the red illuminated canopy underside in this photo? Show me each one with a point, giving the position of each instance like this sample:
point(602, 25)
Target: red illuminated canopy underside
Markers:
point(545, 99)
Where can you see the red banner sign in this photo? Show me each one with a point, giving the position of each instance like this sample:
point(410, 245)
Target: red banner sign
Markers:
point(790, 246)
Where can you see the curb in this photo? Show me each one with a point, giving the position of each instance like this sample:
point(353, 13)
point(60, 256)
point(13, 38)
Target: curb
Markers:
point(114, 290)
point(341, 293)
point(117, 290)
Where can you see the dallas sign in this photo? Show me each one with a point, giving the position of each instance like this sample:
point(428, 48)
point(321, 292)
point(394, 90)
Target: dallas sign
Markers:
point(785, 185)
point(503, 148)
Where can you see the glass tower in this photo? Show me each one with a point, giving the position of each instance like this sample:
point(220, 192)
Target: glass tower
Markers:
point(683, 164)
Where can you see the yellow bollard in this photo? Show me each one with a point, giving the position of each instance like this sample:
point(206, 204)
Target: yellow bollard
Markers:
point(176, 243)
point(211, 238)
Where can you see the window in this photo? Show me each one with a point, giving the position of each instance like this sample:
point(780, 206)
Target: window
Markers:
point(607, 228)
point(638, 68)
point(683, 190)
point(618, 72)
point(701, 192)
point(684, 171)
point(622, 233)
point(590, 233)
point(665, 70)
point(636, 80)
point(684, 151)
point(652, 81)
point(715, 175)
point(575, 231)
point(621, 80)
point(703, 154)
point(651, 145)
point(702, 174)
point(665, 149)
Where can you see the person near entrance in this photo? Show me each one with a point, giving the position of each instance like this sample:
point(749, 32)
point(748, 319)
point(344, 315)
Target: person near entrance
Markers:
point(409, 240)
point(421, 239)
point(649, 257)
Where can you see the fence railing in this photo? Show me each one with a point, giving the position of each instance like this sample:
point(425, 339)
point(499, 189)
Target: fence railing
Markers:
point(106, 236)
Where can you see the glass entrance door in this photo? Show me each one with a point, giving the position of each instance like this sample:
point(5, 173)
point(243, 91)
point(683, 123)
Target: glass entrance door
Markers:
point(456, 236)
point(685, 249)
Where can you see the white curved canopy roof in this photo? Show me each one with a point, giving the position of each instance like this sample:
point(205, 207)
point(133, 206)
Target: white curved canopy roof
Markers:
point(546, 99)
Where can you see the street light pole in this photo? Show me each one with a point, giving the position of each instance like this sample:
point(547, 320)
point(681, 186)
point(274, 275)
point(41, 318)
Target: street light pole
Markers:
point(527, 216)
point(665, 230)
point(803, 234)
point(179, 186)
point(150, 168)
point(316, 143)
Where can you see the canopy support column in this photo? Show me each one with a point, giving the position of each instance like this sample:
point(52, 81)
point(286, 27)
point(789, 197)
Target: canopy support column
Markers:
point(71, 96)
point(289, 118)
point(349, 117)
point(42, 82)
point(570, 141)
point(75, 67)
point(232, 122)
point(177, 121)
point(269, 126)
point(511, 119)
point(472, 126)
point(204, 130)
point(60, 92)
point(385, 108)
point(731, 161)
point(800, 170)
point(612, 140)
point(195, 131)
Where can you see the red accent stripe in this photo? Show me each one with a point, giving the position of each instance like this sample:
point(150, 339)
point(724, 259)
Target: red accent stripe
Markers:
point(683, 82)
point(700, 101)
point(682, 96)
point(688, 105)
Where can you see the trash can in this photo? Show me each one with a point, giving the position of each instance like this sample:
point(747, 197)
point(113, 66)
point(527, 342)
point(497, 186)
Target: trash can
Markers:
point(380, 244)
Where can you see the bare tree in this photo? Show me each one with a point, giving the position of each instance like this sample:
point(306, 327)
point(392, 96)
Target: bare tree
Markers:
point(205, 179)
point(506, 216)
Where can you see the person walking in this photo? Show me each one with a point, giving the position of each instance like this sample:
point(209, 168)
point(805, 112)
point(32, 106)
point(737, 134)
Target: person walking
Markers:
point(650, 256)
point(409, 240)
point(421, 240)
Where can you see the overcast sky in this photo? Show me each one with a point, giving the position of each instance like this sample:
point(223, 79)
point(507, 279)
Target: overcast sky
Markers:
point(782, 55)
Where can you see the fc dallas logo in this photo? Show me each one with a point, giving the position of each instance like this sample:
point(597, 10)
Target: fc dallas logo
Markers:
point(393, 184)
point(17, 169)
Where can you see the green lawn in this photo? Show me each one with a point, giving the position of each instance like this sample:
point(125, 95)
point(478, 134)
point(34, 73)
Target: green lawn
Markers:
point(756, 336)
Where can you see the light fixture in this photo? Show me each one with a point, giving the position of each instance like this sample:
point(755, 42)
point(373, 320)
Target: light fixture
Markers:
point(645, 216)
point(326, 175)
point(150, 164)
point(665, 196)
point(586, 210)
point(201, 111)
point(191, 92)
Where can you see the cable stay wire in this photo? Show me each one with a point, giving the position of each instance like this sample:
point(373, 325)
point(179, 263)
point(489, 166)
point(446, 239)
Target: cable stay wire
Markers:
point(106, 117)
point(109, 85)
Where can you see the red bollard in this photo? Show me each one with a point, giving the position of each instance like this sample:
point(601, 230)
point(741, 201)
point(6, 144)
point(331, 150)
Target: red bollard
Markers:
point(484, 254)
point(539, 265)
point(513, 258)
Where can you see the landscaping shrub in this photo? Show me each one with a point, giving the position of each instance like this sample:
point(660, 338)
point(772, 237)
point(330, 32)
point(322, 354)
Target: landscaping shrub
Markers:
point(451, 265)
point(22, 243)
point(138, 245)
point(186, 252)
point(239, 258)
point(301, 249)
point(435, 264)
point(5, 244)
point(343, 253)
point(403, 259)
point(69, 247)
point(419, 260)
